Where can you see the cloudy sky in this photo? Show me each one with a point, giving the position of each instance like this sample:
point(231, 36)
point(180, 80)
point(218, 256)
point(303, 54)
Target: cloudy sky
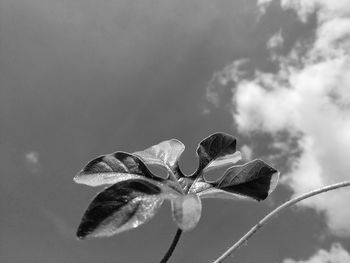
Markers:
point(83, 78)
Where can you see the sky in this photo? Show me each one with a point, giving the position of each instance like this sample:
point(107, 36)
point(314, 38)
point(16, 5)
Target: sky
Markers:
point(83, 78)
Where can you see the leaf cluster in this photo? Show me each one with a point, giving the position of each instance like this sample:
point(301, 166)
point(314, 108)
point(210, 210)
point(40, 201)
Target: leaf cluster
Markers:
point(134, 194)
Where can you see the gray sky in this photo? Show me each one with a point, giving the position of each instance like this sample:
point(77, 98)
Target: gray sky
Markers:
point(83, 78)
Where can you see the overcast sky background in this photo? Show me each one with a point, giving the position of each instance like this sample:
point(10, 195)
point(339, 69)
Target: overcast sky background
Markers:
point(83, 78)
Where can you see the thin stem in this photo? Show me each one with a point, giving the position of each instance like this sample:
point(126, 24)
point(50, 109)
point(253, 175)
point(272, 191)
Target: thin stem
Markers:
point(171, 174)
point(276, 211)
point(172, 246)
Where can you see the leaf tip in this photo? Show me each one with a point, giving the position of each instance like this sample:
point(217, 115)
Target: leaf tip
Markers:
point(81, 235)
point(274, 181)
point(76, 178)
point(82, 178)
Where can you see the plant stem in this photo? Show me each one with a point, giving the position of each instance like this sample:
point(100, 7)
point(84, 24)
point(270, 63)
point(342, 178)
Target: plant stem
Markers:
point(276, 211)
point(172, 246)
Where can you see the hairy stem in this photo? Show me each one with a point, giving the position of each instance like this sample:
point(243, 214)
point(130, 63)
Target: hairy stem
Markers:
point(172, 246)
point(276, 211)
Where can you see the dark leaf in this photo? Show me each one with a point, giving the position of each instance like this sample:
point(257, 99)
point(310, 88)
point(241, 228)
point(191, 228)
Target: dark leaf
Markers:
point(122, 206)
point(113, 168)
point(217, 150)
point(255, 179)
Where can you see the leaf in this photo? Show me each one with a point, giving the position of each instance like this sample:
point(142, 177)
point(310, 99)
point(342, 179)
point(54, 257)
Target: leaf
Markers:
point(186, 211)
point(207, 190)
point(217, 193)
point(114, 168)
point(122, 206)
point(217, 150)
point(165, 154)
point(222, 161)
point(255, 179)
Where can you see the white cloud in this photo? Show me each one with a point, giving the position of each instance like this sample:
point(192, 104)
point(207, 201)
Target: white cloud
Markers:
point(263, 4)
point(309, 99)
point(247, 152)
point(256, 107)
point(276, 41)
point(337, 254)
point(32, 162)
point(325, 8)
point(32, 157)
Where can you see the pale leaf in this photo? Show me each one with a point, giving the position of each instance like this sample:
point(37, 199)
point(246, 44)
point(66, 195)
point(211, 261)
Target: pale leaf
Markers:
point(166, 154)
point(186, 211)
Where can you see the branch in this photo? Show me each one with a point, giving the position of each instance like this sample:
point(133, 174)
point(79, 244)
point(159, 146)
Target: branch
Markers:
point(276, 211)
point(172, 246)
